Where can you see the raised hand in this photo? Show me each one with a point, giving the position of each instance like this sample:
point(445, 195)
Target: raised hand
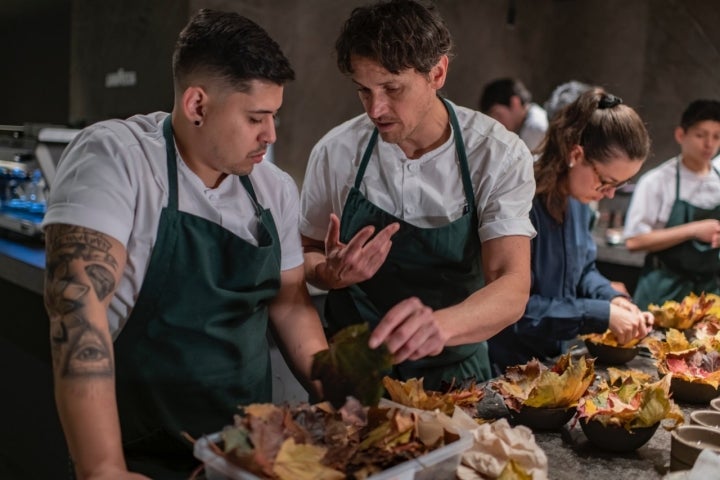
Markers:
point(359, 259)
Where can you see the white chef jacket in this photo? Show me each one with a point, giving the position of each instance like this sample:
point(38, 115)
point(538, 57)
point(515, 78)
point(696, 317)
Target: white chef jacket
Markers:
point(113, 178)
point(534, 127)
point(654, 195)
point(428, 191)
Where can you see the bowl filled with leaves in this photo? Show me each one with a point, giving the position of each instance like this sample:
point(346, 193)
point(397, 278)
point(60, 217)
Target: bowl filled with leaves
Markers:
point(694, 365)
point(545, 398)
point(606, 349)
point(685, 314)
point(622, 414)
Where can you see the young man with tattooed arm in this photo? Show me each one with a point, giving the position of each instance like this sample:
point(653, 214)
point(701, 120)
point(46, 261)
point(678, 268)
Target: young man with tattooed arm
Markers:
point(170, 249)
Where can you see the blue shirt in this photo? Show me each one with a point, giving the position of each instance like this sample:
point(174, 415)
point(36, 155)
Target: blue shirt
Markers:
point(568, 295)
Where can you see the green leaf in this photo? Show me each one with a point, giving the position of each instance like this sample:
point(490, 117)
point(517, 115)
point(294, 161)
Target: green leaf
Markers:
point(351, 368)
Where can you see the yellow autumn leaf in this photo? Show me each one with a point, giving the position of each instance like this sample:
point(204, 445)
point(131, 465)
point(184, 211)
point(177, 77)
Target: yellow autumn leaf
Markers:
point(683, 315)
point(302, 462)
point(261, 410)
point(608, 338)
point(565, 389)
point(618, 376)
point(677, 341)
point(412, 394)
point(514, 471)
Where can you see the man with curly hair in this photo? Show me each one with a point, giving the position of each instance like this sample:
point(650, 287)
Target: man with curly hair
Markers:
point(397, 203)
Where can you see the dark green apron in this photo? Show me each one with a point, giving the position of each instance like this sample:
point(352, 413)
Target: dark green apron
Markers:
point(691, 266)
point(441, 266)
point(194, 347)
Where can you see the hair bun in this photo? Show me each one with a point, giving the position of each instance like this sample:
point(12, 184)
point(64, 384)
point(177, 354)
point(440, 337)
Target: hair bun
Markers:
point(608, 100)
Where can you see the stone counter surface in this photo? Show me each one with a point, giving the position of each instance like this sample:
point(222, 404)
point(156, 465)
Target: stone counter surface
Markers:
point(571, 456)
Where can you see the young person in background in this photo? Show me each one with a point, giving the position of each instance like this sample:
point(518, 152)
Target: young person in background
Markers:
point(508, 101)
point(674, 214)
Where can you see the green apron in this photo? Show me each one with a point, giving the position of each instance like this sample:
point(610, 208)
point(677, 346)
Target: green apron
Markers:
point(691, 266)
point(441, 266)
point(194, 347)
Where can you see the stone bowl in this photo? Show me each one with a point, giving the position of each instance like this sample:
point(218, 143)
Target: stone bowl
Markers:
point(692, 392)
point(686, 443)
point(610, 355)
point(614, 438)
point(715, 404)
point(706, 418)
point(542, 418)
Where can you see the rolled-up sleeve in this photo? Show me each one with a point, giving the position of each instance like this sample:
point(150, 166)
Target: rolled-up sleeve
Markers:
point(506, 210)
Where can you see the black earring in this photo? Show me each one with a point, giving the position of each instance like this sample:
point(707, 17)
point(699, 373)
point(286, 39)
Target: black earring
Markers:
point(197, 123)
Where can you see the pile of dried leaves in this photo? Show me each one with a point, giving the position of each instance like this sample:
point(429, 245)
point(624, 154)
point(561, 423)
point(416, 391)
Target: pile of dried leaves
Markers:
point(412, 394)
point(696, 361)
point(628, 400)
point(319, 442)
point(685, 314)
point(535, 385)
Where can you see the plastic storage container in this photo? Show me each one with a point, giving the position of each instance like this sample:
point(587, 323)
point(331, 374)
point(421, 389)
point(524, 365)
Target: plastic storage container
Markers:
point(439, 463)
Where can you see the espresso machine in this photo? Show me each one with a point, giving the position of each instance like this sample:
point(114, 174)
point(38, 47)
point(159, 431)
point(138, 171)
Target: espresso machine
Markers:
point(28, 156)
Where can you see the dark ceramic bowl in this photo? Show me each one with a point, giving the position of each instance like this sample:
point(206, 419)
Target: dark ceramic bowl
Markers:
point(610, 355)
point(715, 404)
point(706, 418)
point(692, 392)
point(686, 443)
point(617, 439)
point(542, 418)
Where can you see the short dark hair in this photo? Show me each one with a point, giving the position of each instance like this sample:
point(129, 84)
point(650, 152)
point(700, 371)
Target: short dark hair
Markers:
point(230, 47)
point(500, 91)
point(398, 34)
point(699, 111)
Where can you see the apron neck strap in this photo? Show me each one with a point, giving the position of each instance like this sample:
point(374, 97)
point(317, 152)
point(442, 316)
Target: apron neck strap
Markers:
point(366, 157)
point(677, 175)
point(171, 163)
point(172, 170)
point(459, 148)
point(245, 180)
point(462, 156)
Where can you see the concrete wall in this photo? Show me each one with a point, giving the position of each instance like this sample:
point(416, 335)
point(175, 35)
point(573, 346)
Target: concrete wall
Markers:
point(658, 55)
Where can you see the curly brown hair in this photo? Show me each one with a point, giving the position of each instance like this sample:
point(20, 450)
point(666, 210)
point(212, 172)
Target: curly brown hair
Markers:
point(398, 34)
point(600, 123)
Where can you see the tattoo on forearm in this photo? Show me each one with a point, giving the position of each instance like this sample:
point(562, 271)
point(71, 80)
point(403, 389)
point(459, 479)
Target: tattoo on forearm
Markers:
point(79, 350)
point(79, 264)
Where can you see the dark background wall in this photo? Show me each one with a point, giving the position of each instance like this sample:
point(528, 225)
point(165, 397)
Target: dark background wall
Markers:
point(34, 73)
point(658, 55)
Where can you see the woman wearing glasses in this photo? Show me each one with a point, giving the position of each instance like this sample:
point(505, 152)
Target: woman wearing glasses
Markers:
point(592, 147)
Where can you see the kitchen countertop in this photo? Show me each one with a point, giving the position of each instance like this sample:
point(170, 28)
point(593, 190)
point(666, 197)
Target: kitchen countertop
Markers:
point(571, 456)
point(616, 254)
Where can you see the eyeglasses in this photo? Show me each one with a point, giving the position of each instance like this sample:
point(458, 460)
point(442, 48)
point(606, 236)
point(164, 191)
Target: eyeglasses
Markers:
point(606, 185)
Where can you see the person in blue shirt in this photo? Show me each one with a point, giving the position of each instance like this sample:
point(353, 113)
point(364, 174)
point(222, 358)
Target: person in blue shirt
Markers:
point(592, 148)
